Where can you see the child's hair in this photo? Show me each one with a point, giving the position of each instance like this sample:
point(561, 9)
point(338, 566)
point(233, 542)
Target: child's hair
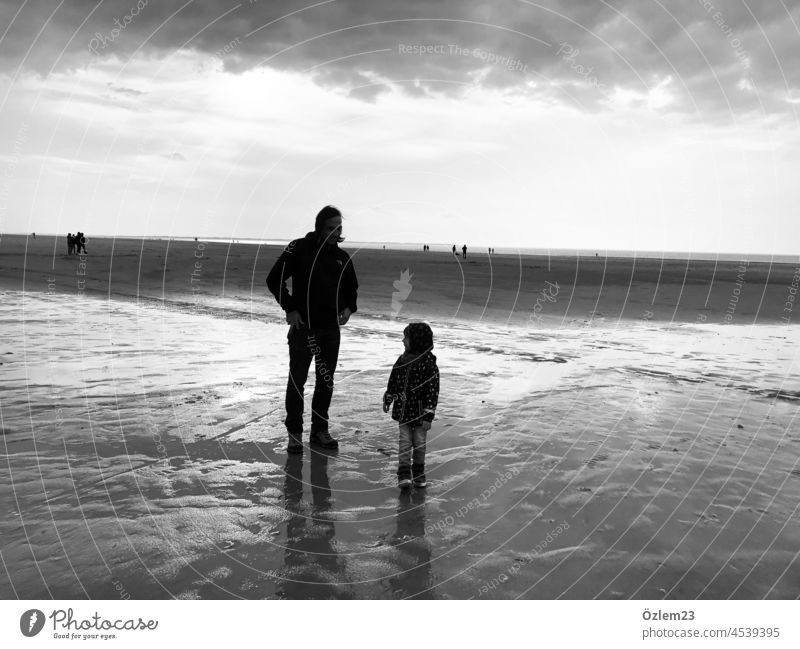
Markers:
point(420, 337)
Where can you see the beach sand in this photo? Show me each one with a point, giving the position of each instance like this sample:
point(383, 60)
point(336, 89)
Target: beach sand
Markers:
point(607, 429)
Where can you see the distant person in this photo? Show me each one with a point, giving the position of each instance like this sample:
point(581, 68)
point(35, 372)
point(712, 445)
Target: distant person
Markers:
point(324, 293)
point(34, 235)
point(70, 243)
point(454, 250)
point(464, 251)
point(413, 388)
point(81, 242)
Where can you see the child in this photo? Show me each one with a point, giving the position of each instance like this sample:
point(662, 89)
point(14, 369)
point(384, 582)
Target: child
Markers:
point(414, 389)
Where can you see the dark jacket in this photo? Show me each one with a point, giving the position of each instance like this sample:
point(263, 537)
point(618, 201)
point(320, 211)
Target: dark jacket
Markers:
point(323, 281)
point(414, 388)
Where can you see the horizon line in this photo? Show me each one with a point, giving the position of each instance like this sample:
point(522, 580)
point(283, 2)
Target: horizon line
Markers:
point(477, 248)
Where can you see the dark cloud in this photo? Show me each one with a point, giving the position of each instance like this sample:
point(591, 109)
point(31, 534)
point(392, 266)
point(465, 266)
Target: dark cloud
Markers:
point(721, 54)
point(129, 92)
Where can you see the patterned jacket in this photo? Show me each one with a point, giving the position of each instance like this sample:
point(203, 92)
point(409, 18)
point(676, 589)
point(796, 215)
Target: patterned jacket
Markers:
point(414, 388)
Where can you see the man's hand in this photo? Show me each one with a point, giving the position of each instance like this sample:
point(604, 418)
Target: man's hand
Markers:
point(295, 320)
point(344, 316)
point(385, 407)
point(426, 425)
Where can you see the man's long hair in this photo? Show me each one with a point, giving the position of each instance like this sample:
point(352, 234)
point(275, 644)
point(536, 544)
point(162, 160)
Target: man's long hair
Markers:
point(327, 212)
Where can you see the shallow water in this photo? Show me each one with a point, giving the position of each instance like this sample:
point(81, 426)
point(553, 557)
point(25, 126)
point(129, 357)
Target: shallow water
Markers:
point(143, 452)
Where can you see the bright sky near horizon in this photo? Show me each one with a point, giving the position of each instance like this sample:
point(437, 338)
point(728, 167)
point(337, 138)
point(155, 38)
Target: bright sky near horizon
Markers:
point(633, 124)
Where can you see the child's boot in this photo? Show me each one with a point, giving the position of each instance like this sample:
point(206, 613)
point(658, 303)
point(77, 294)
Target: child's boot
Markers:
point(403, 477)
point(418, 471)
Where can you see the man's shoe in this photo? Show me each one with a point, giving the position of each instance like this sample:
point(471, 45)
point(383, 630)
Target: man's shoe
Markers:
point(323, 438)
point(295, 446)
point(420, 483)
point(404, 483)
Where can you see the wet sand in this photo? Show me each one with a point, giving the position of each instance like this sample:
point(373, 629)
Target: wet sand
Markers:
point(633, 437)
point(501, 289)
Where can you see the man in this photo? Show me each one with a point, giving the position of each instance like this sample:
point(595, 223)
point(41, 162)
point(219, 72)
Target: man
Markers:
point(323, 297)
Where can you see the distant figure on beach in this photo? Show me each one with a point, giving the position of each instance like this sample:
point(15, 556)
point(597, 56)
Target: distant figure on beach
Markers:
point(70, 243)
point(464, 250)
point(413, 388)
point(80, 242)
point(454, 250)
point(323, 297)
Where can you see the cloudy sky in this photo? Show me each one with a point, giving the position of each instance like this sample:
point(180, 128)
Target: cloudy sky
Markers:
point(628, 124)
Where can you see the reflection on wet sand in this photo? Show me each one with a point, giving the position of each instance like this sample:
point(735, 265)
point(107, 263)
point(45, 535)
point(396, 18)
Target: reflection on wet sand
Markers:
point(312, 567)
point(413, 579)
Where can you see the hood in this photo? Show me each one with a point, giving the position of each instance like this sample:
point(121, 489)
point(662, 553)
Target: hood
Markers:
point(420, 338)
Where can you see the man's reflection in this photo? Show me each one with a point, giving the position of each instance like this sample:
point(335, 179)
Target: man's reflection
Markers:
point(413, 579)
point(311, 566)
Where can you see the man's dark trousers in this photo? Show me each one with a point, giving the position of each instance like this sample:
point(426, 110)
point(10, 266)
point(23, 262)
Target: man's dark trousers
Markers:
point(322, 344)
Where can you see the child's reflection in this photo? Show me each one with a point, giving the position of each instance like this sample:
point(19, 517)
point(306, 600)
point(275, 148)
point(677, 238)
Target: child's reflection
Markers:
point(413, 579)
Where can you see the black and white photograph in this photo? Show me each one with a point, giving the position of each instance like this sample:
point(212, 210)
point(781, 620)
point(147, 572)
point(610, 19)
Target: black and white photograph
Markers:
point(369, 300)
